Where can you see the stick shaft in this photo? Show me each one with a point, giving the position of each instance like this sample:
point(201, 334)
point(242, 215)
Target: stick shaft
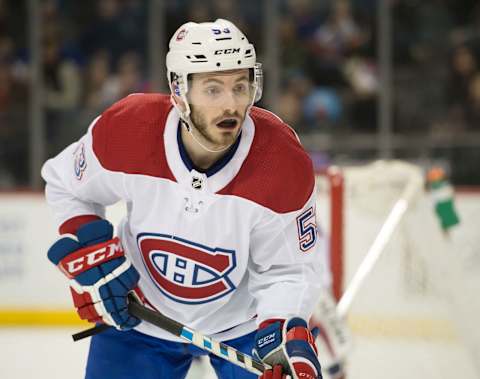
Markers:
point(196, 338)
point(90, 332)
point(176, 328)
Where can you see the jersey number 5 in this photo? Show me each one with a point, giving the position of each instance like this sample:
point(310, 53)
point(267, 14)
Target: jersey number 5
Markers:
point(307, 229)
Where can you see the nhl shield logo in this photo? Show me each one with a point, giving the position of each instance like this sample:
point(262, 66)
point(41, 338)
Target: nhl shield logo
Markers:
point(185, 271)
point(197, 183)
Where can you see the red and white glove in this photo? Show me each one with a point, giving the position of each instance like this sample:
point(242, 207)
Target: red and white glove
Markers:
point(289, 347)
point(100, 274)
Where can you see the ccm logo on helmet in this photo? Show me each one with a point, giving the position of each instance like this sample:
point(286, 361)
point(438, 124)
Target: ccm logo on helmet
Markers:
point(227, 51)
point(85, 259)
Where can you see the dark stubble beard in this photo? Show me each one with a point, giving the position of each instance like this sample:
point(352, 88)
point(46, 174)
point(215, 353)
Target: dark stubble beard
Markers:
point(201, 125)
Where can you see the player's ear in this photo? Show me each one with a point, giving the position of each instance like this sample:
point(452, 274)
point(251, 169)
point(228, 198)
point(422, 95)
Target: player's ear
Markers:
point(179, 102)
point(175, 94)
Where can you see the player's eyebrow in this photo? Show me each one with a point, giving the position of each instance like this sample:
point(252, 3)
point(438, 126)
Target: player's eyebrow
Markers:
point(214, 80)
point(242, 78)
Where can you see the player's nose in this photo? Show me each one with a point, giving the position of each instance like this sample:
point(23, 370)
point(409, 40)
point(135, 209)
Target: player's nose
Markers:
point(229, 102)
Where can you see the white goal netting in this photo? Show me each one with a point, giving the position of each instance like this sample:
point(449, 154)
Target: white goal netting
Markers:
point(416, 314)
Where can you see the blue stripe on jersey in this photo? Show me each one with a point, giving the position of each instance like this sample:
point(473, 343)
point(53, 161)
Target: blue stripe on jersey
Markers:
point(216, 167)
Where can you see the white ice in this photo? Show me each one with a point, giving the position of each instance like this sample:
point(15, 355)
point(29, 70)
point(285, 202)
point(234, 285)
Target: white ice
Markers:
point(30, 353)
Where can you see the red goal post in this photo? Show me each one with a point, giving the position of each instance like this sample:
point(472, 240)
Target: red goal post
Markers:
point(333, 185)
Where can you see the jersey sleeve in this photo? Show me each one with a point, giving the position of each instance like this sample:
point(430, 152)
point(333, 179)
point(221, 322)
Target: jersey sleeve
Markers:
point(288, 266)
point(77, 186)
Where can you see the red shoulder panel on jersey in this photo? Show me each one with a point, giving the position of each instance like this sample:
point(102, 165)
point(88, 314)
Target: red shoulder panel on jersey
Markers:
point(128, 137)
point(277, 172)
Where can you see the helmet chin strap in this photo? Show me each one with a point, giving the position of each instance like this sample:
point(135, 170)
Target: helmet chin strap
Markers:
point(187, 121)
point(190, 126)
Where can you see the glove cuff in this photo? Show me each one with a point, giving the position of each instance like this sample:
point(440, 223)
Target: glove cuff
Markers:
point(73, 224)
point(270, 321)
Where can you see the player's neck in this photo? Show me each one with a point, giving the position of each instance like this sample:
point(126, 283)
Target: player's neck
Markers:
point(199, 156)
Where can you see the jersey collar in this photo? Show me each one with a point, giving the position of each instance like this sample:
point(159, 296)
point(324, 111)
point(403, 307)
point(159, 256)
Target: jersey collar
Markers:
point(219, 175)
point(217, 166)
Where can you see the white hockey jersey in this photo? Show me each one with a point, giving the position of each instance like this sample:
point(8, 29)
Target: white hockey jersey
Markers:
point(219, 251)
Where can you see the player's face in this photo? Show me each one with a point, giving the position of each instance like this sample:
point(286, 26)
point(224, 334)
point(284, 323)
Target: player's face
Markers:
point(218, 103)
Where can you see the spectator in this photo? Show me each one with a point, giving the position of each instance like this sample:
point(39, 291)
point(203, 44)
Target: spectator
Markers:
point(434, 25)
point(62, 79)
point(467, 31)
point(62, 95)
point(472, 111)
point(12, 92)
point(6, 48)
point(12, 20)
point(129, 78)
point(305, 16)
point(340, 34)
point(294, 55)
point(133, 26)
point(462, 69)
point(4, 25)
point(100, 88)
point(362, 75)
point(289, 107)
point(13, 128)
point(105, 30)
point(336, 39)
point(322, 107)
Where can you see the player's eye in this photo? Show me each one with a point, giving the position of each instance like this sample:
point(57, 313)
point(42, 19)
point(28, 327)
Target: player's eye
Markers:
point(212, 91)
point(241, 88)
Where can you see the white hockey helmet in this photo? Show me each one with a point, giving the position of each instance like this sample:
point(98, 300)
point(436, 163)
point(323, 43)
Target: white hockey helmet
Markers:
point(209, 47)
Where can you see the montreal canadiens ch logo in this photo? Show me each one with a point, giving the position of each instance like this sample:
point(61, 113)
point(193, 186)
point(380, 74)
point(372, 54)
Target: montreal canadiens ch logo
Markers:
point(80, 162)
point(186, 271)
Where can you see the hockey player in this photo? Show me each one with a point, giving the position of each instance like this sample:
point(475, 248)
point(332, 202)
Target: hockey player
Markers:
point(220, 229)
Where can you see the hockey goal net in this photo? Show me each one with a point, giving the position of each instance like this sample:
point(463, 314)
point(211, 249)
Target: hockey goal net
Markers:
point(414, 313)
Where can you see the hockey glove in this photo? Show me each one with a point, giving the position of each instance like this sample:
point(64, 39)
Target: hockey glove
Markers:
point(100, 274)
point(289, 344)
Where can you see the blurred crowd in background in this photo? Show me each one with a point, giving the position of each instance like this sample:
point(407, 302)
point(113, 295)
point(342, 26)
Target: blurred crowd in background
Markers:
point(95, 52)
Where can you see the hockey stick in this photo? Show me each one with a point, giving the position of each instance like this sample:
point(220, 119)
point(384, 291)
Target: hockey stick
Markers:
point(196, 338)
point(378, 246)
